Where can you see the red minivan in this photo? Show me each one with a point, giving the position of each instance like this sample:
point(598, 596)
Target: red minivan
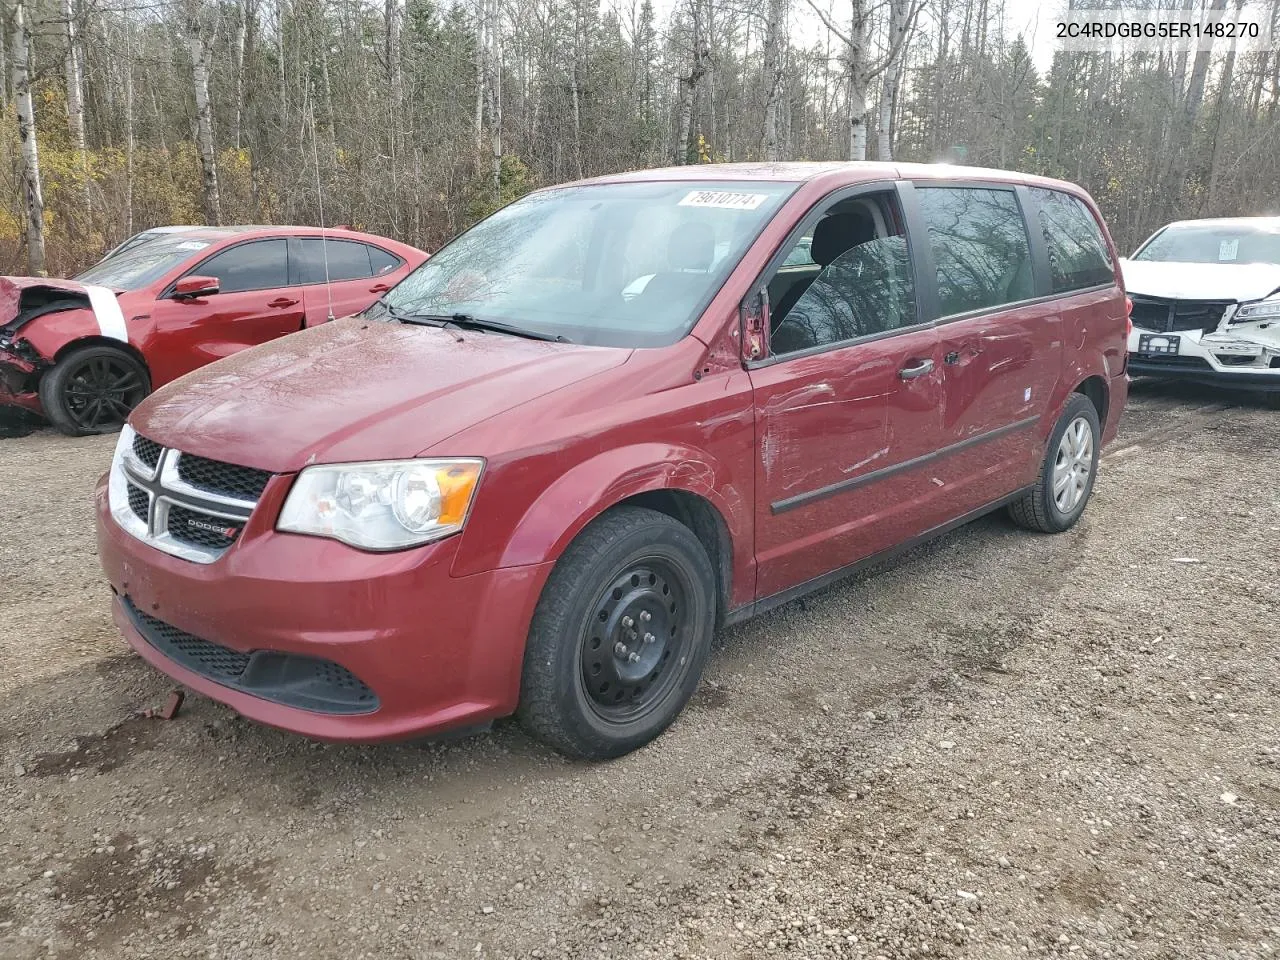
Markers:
point(613, 416)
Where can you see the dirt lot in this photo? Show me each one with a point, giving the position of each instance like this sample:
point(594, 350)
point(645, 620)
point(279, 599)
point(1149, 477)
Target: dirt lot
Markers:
point(1004, 745)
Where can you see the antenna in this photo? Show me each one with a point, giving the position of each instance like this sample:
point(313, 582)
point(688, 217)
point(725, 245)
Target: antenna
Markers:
point(324, 242)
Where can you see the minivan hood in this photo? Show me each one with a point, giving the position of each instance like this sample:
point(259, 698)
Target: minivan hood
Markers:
point(358, 390)
point(1200, 281)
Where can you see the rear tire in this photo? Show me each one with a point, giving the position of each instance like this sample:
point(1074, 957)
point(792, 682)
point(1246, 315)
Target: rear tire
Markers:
point(1067, 473)
point(92, 390)
point(619, 637)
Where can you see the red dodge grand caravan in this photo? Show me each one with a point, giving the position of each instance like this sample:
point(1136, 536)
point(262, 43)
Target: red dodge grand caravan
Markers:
point(538, 473)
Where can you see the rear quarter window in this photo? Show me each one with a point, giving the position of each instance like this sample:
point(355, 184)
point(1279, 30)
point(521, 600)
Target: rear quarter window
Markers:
point(980, 247)
point(1078, 255)
point(335, 261)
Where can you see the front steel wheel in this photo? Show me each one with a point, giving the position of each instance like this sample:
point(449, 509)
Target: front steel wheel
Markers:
point(620, 635)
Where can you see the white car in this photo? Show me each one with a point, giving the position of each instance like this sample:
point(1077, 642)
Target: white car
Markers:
point(1206, 303)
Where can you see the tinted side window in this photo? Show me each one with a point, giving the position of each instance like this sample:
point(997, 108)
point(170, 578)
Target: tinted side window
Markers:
point(859, 281)
point(382, 262)
point(980, 247)
point(257, 265)
point(863, 291)
point(348, 260)
point(1078, 255)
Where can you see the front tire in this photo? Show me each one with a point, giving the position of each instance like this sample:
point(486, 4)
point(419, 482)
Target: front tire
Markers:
point(92, 390)
point(620, 635)
point(1067, 472)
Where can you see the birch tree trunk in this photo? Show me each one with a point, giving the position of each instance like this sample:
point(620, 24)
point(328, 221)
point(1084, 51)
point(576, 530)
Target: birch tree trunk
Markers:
point(128, 129)
point(237, 50)
point(775, 31)
point(482, 16)
point(30, 168)
point(858, 56)
point(204, 116)
point(899, 22)
point(75, 102)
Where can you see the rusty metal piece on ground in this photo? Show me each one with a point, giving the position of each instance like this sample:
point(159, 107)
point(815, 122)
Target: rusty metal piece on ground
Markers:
point(169, 710)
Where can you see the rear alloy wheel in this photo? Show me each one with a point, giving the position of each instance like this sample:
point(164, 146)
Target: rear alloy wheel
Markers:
point(1067, 473)
point(620, 635)
point(92, 390)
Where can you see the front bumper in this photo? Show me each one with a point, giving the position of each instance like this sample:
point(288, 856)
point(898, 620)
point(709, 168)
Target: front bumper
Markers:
point(436, 651)
point(18, 375)
point(1217, 358)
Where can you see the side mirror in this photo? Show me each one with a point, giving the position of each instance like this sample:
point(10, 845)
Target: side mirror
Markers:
point(755, 322)
point(192, 287)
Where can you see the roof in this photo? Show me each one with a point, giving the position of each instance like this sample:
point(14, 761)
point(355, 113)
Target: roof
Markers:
point(800, 172)
point(218, 233)
point(1265, 223)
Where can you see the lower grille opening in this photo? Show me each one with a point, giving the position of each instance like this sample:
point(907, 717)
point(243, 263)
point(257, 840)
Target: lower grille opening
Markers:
point(308, 683)
point(1170, 361)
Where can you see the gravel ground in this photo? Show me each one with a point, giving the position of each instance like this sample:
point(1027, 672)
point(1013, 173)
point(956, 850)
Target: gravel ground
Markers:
point(1002, 745)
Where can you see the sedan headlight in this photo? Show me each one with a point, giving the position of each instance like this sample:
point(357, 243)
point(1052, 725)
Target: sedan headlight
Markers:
point(1268, 309)
point(384, 505)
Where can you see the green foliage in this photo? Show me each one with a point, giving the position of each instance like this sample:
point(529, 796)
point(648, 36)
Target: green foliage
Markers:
point(514, 181)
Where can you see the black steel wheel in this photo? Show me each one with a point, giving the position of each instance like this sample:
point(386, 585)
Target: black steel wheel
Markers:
point(93, 389)
point(633, 645)
point(620, 635)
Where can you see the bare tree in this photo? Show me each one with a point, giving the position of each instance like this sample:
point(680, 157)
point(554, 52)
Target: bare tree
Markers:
point(198, 44)
point(775, 32)
point(30, 172)
point(75, 101)
point(861, 69)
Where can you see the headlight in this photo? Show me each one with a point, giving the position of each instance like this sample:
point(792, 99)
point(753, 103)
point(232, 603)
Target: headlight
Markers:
point(1268, 309)
point(385, 505)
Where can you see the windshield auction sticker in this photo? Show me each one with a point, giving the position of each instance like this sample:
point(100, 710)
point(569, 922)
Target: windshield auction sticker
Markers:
point(1227, 249)
point(723, 200)
point(1136, 25)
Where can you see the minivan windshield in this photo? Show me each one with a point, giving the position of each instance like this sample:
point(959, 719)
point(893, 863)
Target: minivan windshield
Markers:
point(144, 263)
point(1214, 243)
point(615, 264)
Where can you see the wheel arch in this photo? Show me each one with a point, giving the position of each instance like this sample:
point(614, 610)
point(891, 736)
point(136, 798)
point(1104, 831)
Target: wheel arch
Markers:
point(100, 341)
point(684, 483)
point(1096, 389)
point(707, 524)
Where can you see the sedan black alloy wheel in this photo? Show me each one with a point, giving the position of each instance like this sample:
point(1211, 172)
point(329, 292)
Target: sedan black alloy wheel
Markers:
point(101, 391)
point(634, 644)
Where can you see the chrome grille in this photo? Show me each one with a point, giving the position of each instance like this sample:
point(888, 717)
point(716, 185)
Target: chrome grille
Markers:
point(244, 483)
point(148, 451)
point(139, 502)
point(192, 507)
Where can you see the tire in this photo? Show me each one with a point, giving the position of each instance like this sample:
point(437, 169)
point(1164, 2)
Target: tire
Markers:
point(1042, 509)
point(592, 686)
point(92, 390)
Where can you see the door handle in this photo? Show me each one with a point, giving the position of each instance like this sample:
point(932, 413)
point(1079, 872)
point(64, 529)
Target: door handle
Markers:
point(919, 370)
point(281, 302)
point(380, 288)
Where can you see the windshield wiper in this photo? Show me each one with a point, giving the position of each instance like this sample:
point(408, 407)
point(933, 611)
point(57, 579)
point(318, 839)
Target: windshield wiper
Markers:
point(469, 321)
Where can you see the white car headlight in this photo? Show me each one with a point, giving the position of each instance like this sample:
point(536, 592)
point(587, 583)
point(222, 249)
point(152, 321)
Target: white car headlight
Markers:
point(383, 505)
point(1268, 309)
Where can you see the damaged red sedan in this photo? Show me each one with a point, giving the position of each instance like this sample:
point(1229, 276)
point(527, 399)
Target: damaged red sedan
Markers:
point(85, 352)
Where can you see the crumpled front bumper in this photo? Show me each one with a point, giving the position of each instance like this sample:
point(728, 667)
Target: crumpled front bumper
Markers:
point(18, 375)
point(1225, 357)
